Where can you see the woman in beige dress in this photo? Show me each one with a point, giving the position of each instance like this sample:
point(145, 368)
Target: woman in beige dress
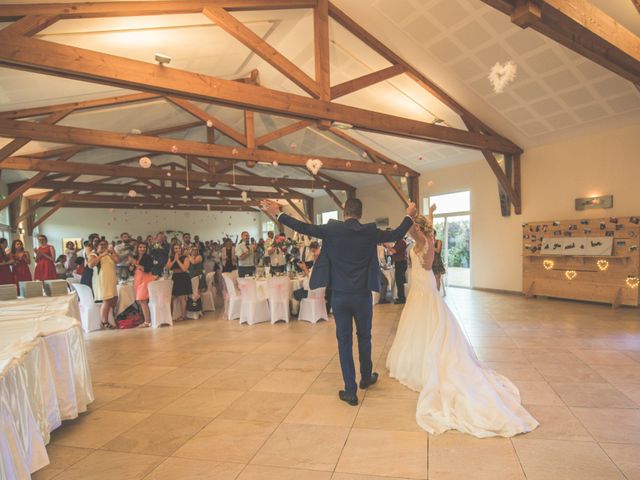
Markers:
point(104, 261)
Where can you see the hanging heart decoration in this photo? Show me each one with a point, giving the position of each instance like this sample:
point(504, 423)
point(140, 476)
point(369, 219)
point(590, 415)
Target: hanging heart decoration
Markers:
point(132, 193)
point(274, 163)
point(174, 149)
point(293, 146)
point(502, 75)
point(548, 264)
point(364, 154)
point(145, 162)
point(570, 274)
point(234, 151)
point(602, 265)
point(632, 282)
point(379, 171)
point(314, 165)
point(209, 123)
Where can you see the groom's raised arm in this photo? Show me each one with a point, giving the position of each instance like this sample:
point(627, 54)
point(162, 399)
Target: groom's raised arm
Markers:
point(401, 230)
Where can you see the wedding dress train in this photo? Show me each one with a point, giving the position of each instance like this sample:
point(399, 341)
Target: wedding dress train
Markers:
point(432, 355)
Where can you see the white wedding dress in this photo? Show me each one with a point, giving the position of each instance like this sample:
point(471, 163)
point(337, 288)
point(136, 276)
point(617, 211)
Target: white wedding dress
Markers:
point(431, 355)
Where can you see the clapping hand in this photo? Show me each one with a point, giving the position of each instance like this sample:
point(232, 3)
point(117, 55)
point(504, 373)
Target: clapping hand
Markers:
point(271, 207)
point(411, 209)
point(433, 207)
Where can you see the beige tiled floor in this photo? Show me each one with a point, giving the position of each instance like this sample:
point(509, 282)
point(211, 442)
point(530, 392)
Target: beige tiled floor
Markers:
point(210, 399)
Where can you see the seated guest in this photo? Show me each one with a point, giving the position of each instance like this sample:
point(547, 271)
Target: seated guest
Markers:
point(246, 256)
point(61, 267)
point(79, 270)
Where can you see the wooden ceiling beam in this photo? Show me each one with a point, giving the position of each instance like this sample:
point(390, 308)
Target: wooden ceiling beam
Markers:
point(30, 25)
point(100, 138)
point(321, 48)
point(160, 207)
point(582, 27)
point(47, 214)
point(12, 12)
point(247, 37)
point(78, 106)
point(367, 80)
point(34, 207)
point(282, 132)
point(334, 197)
point(126, 200)
point(72, 62)
point(52, 166)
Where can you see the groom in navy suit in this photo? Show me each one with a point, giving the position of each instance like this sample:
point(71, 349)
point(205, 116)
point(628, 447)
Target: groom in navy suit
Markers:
point(348, 264)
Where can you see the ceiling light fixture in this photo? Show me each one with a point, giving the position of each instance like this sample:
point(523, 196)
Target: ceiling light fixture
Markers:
point(162, 59)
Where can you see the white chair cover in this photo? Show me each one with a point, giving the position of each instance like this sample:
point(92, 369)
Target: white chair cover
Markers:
point(313, 308)
point(278, 296)
point(208, 297)
point(232, 298)
point(160, 302)
point(195, 282)
point(252, 309)
point(89, 309)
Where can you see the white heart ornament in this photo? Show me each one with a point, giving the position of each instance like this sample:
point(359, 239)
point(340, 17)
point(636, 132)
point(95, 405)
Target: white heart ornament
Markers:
point(502, 75)
point(314, 165)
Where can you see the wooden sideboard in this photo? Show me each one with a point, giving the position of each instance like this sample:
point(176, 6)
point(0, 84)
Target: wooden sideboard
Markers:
point(595, 259)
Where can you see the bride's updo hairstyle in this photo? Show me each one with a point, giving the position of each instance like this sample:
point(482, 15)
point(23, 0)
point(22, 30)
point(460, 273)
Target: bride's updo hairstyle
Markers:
point(423, 224)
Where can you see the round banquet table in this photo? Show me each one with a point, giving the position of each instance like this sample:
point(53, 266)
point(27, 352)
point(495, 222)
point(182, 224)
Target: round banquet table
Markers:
point(126, 297)
point(294, 284)
point(44, 378)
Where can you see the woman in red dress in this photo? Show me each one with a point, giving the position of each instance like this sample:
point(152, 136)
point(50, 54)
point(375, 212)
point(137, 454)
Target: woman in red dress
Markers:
point(21, 262)
point(6, 260)
point(45, 265)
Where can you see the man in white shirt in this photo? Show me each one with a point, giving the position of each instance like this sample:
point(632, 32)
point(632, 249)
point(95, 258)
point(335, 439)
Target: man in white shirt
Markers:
point(246, 258)
point(275, 254)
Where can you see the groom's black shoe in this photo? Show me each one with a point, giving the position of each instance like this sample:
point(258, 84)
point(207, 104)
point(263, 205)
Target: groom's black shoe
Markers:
point(350, 399)
point(366, 383)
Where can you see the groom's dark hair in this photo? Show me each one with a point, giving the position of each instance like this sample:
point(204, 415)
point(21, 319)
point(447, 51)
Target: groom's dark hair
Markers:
point(353, 208)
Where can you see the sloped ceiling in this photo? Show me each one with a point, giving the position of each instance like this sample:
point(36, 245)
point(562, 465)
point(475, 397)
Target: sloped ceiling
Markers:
point(455, 42)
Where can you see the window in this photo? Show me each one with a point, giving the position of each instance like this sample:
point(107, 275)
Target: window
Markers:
point(324, 217)
point(268, 227)
point(452, 222)
point(4, 214)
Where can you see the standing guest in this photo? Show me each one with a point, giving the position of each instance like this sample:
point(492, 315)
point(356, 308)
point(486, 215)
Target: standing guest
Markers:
point(178, 264)
point(86, 277)
point(259, 254)
point(399, 254)
point(276, 255)
point(160, 253)
point(216, 256)
point(104, 260)
point(228, 256)
point(45, 265)
point(186, 243)
point(124, 249)
point(384, 282)
point(71, 252)
point(267, 245)
point(201, 246)
point(6, 261)
point(438, 264)
point(22, 260)
point(196, 267)
point(141, 266)
point(246, 256)
point(61, 267)
point(306, 253)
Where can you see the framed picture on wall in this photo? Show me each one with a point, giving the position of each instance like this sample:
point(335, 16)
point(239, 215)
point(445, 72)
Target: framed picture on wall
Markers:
point(382, 222)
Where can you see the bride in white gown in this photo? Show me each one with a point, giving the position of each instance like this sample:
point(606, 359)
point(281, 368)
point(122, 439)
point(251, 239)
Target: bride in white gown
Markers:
point(431, 355)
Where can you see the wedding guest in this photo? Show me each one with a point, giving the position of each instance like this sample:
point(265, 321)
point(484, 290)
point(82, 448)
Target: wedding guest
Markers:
point(6, 261)
point(186, 243)
point(86, 277)
point(246, 259)
point(196, 267)
point(104, 260)
point(45, 265)
point(141, 265)
point(71, 252)
point(228, 256)
point(80, 268)
point(199, 244)
point(160, 253)
point(22, 260)
point(276, 254)
point(438, 264)
point(303, 292)
point(178, 264)
point(384, 282)
point(124, 249)
point(306, 253)
point(259, 253)
point(399, 254)
point(61, 267)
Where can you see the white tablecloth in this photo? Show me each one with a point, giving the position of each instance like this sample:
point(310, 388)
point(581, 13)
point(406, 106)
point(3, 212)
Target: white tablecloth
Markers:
point(294, 284)
point(44, 378)
point(126, 297)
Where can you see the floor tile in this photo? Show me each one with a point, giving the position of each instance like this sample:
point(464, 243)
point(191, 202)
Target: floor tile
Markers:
point(104, 394)
point(146, 399)
point(231, 379)
point(186, 469)
point(94, 429)
point(557, 459)
point(611, 424)
point(311, 447)
point(184, 377)
point(286, 381)
point(625, 457)
point(385, 453)
point(322, 410)
point(227, 440)
point(158, 434)
point(103, 464)
point(592, 395)
point(454, 456)
point(537, 393)
point(262, 406)
point(557, 422)
point(603, 357)
point(260, 472)
point(60, 458)
point(388, 414)
point(202, 402)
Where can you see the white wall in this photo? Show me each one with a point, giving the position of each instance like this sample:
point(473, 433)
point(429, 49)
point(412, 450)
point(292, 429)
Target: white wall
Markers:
point(80, 222)
point(553, 176)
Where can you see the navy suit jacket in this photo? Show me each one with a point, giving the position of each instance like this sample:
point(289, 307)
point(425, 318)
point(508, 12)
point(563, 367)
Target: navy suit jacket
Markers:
point(348, 261)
